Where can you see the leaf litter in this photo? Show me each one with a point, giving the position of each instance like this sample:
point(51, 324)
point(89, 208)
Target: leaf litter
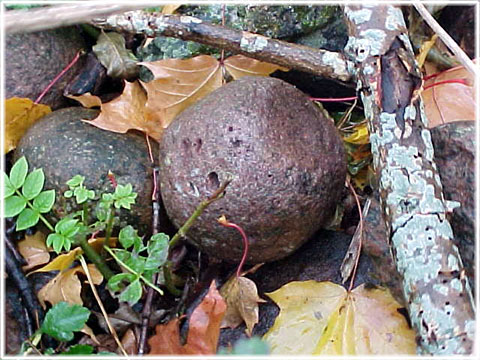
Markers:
point(332, 321)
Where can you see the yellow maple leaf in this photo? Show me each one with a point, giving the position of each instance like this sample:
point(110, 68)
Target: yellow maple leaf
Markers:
point(241, 296)
point(20, 114)
point(332, 321)
point(66, 286)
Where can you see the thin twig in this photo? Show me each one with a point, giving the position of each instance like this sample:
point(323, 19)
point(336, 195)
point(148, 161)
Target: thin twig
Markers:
point(54, 81)
point(447, 39)
point(100, 304)
point(354, 272)
point(147, 308)
point(198, 211)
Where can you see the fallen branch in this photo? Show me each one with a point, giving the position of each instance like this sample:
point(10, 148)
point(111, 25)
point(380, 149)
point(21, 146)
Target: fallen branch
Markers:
point(435, 286)
point(21, 21)
point(303, 58)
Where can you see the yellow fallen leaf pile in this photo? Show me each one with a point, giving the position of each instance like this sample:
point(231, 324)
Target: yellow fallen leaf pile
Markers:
point(322, 318)
point(241, 296)
point(151, 107)
point(20, 114)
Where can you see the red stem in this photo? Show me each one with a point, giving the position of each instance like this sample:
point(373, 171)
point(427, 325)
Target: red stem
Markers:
point(227, 223)
point(334, 99)
point(75, 59)
point(451, 81)
point(112, 179)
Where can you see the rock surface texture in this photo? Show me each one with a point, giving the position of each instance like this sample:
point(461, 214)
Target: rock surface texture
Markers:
point(455, 156)
point(65, 146)
point(285, 157)
point(32, 61)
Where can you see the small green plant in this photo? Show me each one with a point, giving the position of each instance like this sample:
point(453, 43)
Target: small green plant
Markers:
point(60, 322)
point(139, 268)
point(24, 197)
point(252, 346)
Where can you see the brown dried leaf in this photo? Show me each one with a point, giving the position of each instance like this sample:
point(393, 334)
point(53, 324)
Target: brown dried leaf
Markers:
point(129, 342)
point(203, 333)
point(242, 300)
point(20, 114)
point(34, 250)
point(178, 84)
point(127, 112)
point(66, 286)
point(239, 65)
point(170, 9)
point(63, 262)
point(450, 102)
point(117, 59)
point(87, 100)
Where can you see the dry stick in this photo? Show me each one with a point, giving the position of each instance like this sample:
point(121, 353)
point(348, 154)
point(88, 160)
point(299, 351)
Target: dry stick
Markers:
point(20, 21)
point(147, 308)
point(100, 304)
point(314, 61)
point(440, 302)
point(218, 194)
point(447, 39)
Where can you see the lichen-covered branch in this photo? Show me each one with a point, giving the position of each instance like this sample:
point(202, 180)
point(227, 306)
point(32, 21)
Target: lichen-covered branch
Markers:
point(315, 61)
point(436, 289)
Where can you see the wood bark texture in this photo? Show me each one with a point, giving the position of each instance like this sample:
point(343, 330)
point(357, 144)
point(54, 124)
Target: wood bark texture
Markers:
point(46, 18)
point(435, 287)
point(303, 58)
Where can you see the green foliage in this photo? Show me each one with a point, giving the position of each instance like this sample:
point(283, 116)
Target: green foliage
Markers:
point(77, 189)
point(63, 319)
point(64, 234)
point(79, 349)
point(20, 189)
point(252, 346)
point(140, 268)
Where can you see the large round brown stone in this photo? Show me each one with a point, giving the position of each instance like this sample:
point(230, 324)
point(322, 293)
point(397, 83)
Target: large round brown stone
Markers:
point(33, 60)
point(64, 146)
point(286, 159)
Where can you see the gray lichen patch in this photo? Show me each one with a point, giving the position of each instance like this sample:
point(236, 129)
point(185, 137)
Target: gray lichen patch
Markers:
point(360, 16)
point(394, 20)
point(253, 43)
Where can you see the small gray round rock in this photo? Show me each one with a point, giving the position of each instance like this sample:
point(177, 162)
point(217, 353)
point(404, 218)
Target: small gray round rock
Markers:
point(286, 159)
point(64, 146)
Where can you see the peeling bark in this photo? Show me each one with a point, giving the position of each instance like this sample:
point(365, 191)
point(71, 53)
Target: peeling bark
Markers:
point(439, 298)
point(303, 58)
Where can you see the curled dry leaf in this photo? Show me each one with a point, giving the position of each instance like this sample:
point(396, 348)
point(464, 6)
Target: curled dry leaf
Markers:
point(34, 250)
point(87, 100)
point(333, 321)
point(127, 112)
point(20, 114)
point(449, 102)
point(178, 84)
point(112, 53)
point(239, 66)
point(129, 342)
point(242, 299)
point(66, 286)
point(203, 331)
point(170, 9)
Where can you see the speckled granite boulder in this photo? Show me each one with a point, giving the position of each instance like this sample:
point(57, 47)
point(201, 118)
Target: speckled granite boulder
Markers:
point(286, 159)
point(455, 157)
point(65, 146)
point(33, 60)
